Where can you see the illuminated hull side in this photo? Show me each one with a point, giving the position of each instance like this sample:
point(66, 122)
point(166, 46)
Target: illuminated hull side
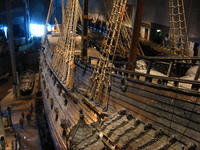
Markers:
point(154, 104)
point(98, 102)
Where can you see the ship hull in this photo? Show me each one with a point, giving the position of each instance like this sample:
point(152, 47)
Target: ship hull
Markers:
point(166, 106)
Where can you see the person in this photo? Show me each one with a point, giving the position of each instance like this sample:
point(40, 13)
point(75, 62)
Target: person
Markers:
point(13, 87)
point(29, 114)
point(28, 118)
point(31, 108)
point(31, 105)
point(21, 123)
point(22, 114)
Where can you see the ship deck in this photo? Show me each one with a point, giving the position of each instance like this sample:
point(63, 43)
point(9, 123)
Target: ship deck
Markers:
point(93, 54)
point(149, 97)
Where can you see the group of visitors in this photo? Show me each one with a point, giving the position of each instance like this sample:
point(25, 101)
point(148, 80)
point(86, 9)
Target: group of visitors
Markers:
point(28, 116)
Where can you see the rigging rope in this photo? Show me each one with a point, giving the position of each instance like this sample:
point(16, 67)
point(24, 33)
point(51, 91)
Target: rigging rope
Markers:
point(103, 69)
point(178, 29)
point(123, 46)
point(63, 56)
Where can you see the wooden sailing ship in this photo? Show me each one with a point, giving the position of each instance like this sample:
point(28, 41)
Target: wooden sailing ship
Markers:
point(97, 103)
point(26, 85)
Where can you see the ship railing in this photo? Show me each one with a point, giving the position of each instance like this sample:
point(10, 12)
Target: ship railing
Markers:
point(176, 66)
point(177, 82)
point(168, 57)
point(162, 80)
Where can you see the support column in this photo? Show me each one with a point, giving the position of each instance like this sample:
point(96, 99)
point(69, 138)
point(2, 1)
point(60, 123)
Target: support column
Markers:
point(196, 86)
point(25, 24)
point(170, 68)
point(2, 137)
point(11, 40)
point(135, 35)
point(85, 30)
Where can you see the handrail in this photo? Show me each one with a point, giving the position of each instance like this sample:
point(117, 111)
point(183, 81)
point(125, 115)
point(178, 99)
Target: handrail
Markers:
point(157, 58)
point(169, 58)
point(158, 77)
point(195, 84)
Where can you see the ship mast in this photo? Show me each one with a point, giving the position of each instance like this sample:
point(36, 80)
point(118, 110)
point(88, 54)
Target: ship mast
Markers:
point(135, 35)
point(85, 30)
point(63, 10)
point(47, 21)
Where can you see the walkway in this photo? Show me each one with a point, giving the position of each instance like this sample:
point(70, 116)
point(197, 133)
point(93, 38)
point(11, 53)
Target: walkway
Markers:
point(29, 133)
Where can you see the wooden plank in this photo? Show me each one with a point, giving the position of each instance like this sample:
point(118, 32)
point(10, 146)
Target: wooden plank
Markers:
point(84, 79)
point(134, 95)
point(89, 114)
point(164, 118)
point(134, 87)
point(72, 111)
point(187, 106)
point(162, 109)
point(187, 114)
point(194, 126)
point(137, 113)
point(79, 83)
point(79, 71)
point(161, 98)
point(193, 134)
point(166, 92)
point(129, 100)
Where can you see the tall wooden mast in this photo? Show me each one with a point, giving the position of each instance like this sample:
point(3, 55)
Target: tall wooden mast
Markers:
point(85, 29)
point(135, 35)
point(47, 21)
point(63, 10)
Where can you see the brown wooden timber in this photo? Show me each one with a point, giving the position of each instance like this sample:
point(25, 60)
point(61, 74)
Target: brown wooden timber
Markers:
point(135, 35)
point(89, 113)
point(173, 109)
point(174, 57)
point(85, 29)
point(81, 81)
point(137, 112)
point(156, 105)
point(197, 73)
point(72, 108)
point(166, 92)
point(177, 124)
